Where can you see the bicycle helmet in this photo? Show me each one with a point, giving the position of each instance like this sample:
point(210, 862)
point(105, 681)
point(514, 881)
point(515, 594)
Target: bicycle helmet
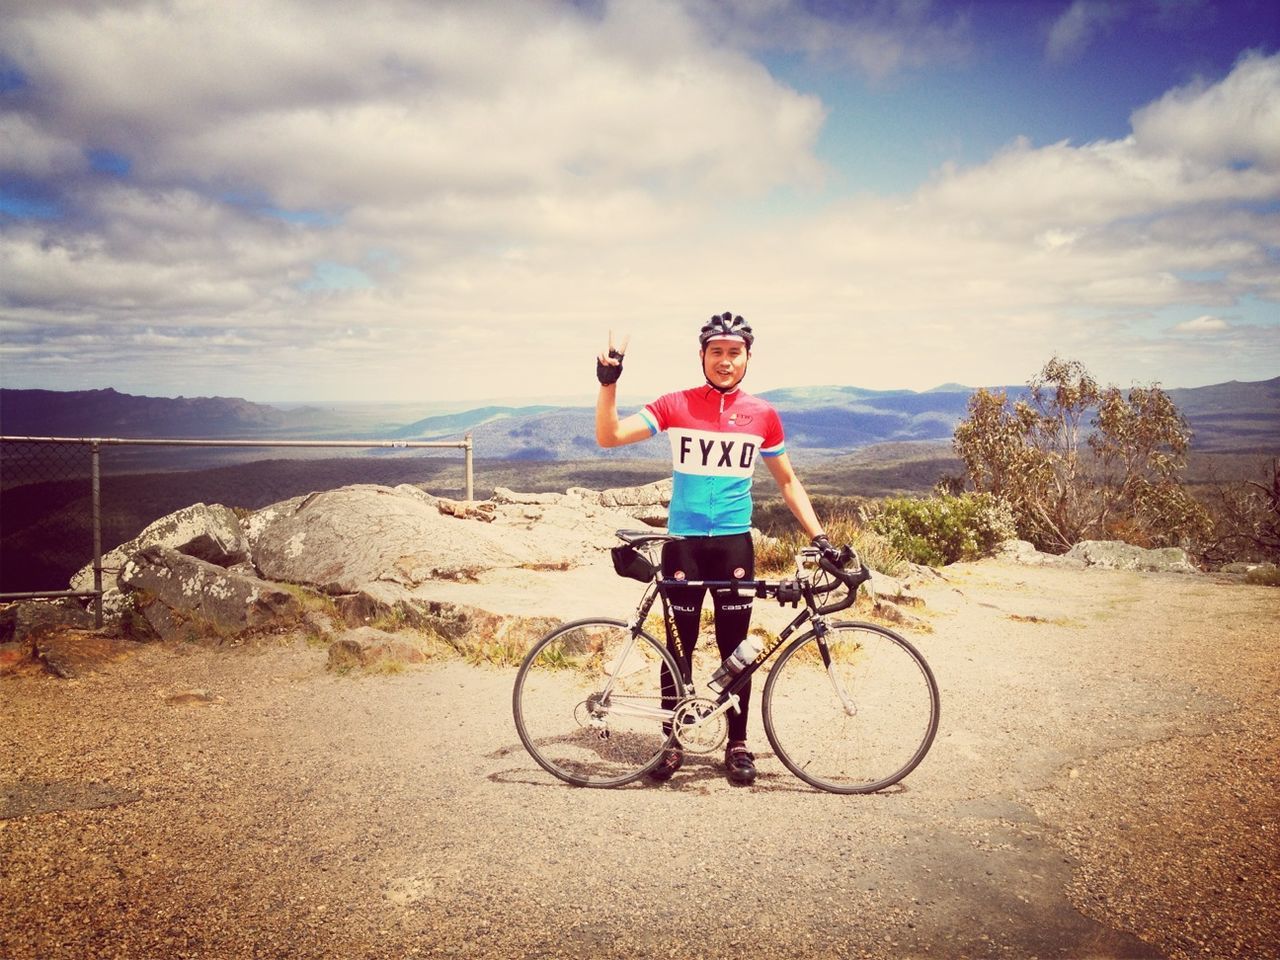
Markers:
point(726, 326)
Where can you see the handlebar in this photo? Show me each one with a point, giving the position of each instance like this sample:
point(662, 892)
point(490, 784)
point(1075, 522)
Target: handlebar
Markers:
point(784, 591)
point(851, 579)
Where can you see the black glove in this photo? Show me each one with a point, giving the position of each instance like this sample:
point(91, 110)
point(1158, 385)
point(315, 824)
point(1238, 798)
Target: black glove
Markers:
point(606, 373)
point(829, 553)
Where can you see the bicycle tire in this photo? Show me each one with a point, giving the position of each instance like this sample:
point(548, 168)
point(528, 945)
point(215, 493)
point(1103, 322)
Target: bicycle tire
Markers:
point(892, 694)
point(568, 728)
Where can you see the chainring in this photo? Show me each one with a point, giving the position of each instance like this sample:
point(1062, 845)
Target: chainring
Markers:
point(696, 733)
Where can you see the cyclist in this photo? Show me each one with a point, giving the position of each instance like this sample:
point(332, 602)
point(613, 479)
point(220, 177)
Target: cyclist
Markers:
point(717, 431)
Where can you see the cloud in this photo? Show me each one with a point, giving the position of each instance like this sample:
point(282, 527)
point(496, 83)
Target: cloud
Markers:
point(459, 199)
point(877, 39)
point(1232, 123)
point(1073, 31)
point(413, 100)
point(1203, 325)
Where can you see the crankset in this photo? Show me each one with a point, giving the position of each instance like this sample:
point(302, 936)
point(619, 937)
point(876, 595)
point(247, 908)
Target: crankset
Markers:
point(696, 729)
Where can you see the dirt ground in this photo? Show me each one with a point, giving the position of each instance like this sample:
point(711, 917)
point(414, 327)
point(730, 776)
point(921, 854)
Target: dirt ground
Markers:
point(1105, 783)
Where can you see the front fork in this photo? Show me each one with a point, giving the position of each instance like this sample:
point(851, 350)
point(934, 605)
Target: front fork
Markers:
point(820, 630)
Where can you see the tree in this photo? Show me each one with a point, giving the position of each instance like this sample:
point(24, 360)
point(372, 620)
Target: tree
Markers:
point(1077, 462)
point(1248, 520)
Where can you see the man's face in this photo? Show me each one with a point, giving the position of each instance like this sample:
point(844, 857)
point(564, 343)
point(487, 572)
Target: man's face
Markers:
point(724, 362)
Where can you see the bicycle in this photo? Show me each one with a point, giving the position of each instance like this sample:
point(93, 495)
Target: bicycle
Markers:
point(848, 707)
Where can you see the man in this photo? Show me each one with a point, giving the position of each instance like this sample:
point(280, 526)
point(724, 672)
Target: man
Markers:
point(717, 431)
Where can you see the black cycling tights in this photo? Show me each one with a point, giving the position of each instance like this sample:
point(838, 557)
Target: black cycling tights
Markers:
point(710, 558)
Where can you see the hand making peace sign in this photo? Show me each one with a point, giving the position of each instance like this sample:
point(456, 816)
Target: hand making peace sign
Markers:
point(609, 363)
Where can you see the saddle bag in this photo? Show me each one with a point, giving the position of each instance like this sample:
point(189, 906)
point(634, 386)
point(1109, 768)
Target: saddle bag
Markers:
point(630, 562)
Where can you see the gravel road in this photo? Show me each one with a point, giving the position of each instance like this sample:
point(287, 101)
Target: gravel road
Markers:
point(1105, 783)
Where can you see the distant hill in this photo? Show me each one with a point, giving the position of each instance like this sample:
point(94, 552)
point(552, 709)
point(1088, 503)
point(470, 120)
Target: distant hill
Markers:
point(820, 421)
point(1232, 417)
point(454, 423)
point(107, 413)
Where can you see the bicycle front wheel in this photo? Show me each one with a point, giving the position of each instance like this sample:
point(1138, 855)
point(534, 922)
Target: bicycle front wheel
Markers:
point(854, 711)
point(589, 702)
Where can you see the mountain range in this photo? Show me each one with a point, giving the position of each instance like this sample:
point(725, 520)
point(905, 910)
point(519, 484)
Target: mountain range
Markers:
point(821, 421)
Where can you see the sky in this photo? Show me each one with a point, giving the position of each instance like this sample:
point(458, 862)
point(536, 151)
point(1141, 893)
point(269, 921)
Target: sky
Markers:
point(434, 201)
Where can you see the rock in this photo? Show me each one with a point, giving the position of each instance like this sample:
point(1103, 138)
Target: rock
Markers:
point(13, 656)
point(891, 612)
point(501, 495)
point(1021, 551)
point(74, 653)
point(208, 532)
point(1264, 575)
point(465, 628)
point(58, 633)
point(343, 541)
point(317, 624)
point(884, 587)
point(647, 503)
point(173, 596)
point(22, 622)
point(1117, 555)
point(367, 647)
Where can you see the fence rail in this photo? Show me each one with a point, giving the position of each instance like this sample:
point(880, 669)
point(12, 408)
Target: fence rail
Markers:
point(95, 445)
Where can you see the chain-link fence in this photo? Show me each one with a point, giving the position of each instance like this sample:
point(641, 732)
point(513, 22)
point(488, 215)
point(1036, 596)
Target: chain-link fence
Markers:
point(49, 510)
point(62, 499)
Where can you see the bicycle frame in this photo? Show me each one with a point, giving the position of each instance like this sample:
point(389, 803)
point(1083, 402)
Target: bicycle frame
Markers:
point(728, 698)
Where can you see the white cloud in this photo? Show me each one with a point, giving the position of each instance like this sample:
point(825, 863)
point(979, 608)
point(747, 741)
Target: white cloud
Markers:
point(514, 185)
point(878, 39)
point(1201, 325)
point(1072, 32)
point(1219, 125)
point(434, 99)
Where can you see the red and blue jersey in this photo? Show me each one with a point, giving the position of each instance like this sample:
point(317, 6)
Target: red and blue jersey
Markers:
point(715, 439)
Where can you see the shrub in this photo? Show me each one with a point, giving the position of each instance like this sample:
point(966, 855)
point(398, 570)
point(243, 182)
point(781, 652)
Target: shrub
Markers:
point(1077, 461)
point(776, 556)
point(945, 528)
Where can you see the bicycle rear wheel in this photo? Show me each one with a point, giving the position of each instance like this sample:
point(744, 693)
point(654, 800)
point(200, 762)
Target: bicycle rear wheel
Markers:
point(857, 720)
point(588, 702)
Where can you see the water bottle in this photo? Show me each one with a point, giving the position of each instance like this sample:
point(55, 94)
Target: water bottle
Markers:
point(736, 662)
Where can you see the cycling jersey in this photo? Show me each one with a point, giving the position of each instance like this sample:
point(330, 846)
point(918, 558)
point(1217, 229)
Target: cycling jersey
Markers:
point(715, 438)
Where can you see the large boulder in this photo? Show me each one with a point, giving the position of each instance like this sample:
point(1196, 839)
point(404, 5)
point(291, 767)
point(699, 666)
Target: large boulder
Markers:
point(1118, 555)
point(347, 540)
point(647, 503)
point(1022, 551)
point(207, 532)
point(173, 596)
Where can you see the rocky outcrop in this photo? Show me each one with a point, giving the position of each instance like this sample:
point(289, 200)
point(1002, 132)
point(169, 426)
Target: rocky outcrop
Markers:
point(467, 629)
point(209, 532)
point(1022, 551)
point(647, 503)
point(172, 596)
point(385, 541)
point(1108, 554)
point(1117, 555)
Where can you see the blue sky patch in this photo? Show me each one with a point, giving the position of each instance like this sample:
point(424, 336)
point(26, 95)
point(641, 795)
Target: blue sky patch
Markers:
point(328, 276)
point(108, 161)
point(28, 208)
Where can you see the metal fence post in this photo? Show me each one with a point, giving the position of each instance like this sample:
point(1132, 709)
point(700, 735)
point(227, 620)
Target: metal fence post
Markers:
point(96, 458)
point(471, 493)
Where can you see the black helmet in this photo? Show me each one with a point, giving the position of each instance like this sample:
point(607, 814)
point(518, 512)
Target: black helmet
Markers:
point(725, 326)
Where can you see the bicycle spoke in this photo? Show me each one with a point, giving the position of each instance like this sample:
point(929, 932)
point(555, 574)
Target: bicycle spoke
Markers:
point(589, 703)
point(861, 722)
